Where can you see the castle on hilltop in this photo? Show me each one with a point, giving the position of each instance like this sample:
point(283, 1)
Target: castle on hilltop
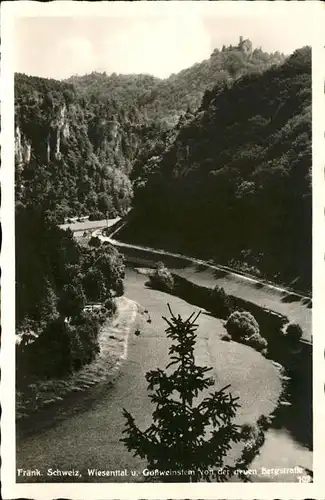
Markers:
point(245, 45)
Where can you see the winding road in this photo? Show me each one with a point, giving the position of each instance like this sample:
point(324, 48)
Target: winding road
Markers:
point(294, 306)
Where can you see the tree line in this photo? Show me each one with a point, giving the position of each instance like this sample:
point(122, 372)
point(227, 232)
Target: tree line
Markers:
point(55, 278)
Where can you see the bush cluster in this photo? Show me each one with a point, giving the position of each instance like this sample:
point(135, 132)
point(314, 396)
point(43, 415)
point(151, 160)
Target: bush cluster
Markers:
point(242, 324)
point(293, 332)
point(220, 303)
point(96, 216)
point(84, 342)
point(254, 438)
point(243, 327)
point(59, 349)
point(110, 306)
point(62, 347)
point(162, 278)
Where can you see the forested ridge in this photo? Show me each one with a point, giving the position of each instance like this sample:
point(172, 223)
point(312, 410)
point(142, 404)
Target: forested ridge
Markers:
point(77, 141)
point(235, 185)
point(72, 155)
point(166, 99)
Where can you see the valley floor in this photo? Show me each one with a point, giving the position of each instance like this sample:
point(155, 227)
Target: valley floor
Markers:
point(90, 438)
point(294, 309)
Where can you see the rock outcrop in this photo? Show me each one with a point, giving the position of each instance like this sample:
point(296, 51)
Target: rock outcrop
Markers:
point(53, 132)
point(23, 148)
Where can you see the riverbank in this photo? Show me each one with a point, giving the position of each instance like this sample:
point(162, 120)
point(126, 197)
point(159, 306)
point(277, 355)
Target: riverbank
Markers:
point(113, 342)
point(90, 437)
point(295, 307)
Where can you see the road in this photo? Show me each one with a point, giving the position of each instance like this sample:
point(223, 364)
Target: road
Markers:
point(89, 225)
point(90, 438)
point(263, 294)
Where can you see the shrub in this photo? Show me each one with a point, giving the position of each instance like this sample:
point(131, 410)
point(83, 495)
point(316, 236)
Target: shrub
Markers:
point(247, 431)
point(226, 337)
point(110, 306)
point(242, 325)
point(71, 300)
point(50, 355)
point(257, 342)
point(84, 343)
point(162, 279)
point(294, 332)
point(264, 422)
point(220, 303)
point(96, 216)
point(94, 242)
point(265, 353)
point(100, 315)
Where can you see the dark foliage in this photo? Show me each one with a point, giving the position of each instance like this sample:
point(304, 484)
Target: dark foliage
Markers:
point(167, 99)
point(238, 177)
point(161, 278)
point(220, 302)
point(77, 141)
point(74, 153)
point(293, 332)
point(243, 327)
point(55, 277)
point(241, 324)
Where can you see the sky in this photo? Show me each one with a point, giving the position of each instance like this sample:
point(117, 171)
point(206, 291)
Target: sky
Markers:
point(59, 47)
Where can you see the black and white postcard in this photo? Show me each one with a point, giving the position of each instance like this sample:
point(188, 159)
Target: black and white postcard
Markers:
point(162, 190)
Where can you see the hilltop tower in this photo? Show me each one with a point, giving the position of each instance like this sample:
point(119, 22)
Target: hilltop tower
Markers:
point(245, 45)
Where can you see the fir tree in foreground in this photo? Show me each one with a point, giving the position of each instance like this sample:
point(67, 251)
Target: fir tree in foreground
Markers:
point(190, 435)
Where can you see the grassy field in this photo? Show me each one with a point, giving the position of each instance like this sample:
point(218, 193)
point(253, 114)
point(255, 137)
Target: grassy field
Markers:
point(297, 309)
point(252, 377)
point(256, 380)
point(294, 309)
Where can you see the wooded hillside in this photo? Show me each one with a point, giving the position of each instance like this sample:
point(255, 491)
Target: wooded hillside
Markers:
point(77, 141)
point(235, 185)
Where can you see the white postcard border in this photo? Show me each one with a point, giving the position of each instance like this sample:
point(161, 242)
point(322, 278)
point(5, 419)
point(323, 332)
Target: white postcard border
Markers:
point(313, 12)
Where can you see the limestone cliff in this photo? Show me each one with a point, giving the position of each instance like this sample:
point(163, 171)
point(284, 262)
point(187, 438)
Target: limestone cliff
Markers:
point(23, 147)
point(73, 152)
point(47, 143)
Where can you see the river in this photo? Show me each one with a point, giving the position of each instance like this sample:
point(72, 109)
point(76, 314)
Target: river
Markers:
point(90, 437)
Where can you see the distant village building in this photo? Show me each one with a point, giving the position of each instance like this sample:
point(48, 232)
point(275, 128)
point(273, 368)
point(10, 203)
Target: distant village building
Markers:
point(245, 45)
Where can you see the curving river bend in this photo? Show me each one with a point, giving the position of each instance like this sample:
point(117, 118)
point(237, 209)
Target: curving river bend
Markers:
point(88, 439)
